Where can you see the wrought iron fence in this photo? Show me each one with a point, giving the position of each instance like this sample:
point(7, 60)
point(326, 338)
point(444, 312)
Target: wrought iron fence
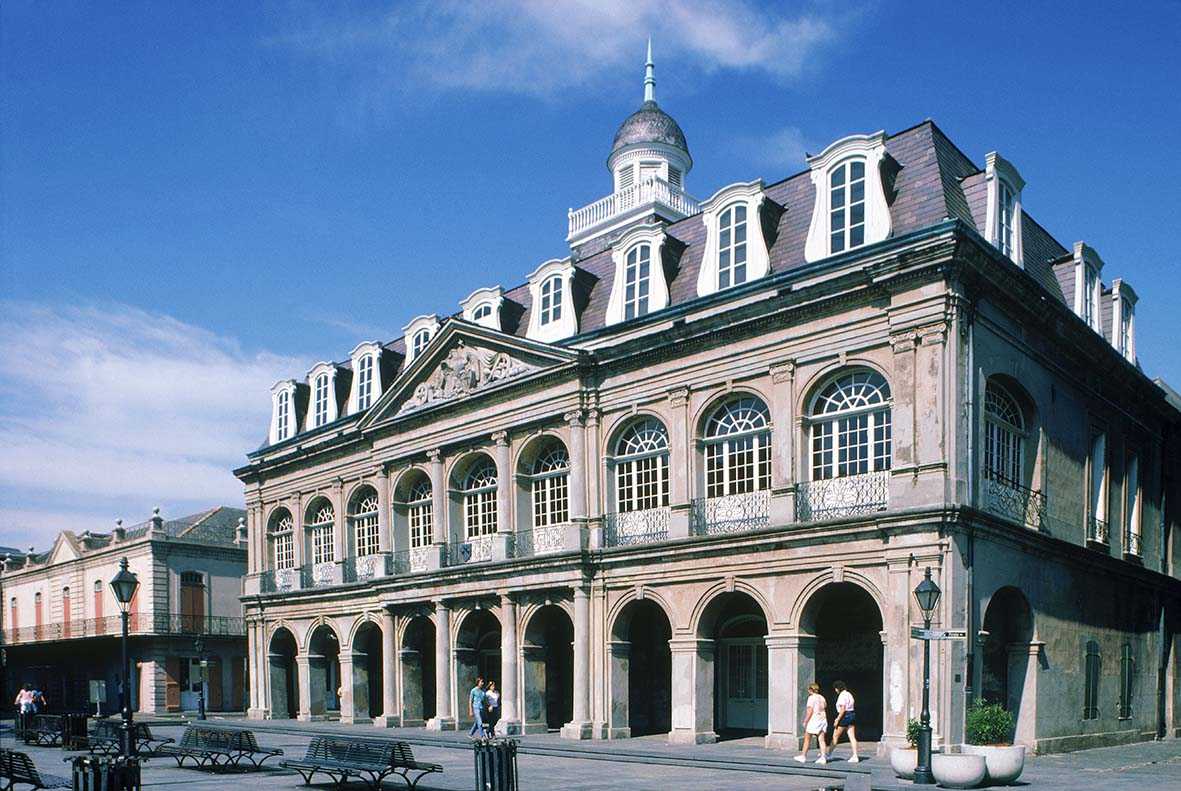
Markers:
point(321, 575)
point(1097, 530)
point(540, 540)
point(367, 567)
point(636, 527)
point(1011, 500)
point(279, 580)
point(1133, 544)
point(138, 624)
point(734, 513)
point(834, 498)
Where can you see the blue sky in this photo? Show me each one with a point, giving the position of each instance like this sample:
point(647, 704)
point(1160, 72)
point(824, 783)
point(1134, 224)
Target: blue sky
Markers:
point(199, 198)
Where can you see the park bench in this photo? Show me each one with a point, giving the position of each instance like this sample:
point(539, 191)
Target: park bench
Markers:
point(369, 760)
point(17, 767)
point(107, 737)
point(43, 729)
point(217, 747)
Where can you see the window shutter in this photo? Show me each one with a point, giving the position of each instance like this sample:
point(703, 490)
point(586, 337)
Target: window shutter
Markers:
point(171, 685)
point(627, 177)
point(674, 177)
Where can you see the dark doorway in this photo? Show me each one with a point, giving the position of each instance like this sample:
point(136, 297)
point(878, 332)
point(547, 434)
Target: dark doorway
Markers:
point(848, 625)
point(284, 686)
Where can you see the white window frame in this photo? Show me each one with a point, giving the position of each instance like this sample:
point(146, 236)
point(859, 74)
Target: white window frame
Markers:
point(1088, 286)
point(551, 300)
point(642, 472)
point(365, 391)
point(418, 334)
point(281, 534)
point(841, 428)
point(366, 526)
point(652, 235)
point(321, 529)
point(737, 446)
point(1004, 436)
point(483, 307)
point(564, 323)
point(283, 417)
point(420, 516)
point(758, 258)
point(1002, 181)
point(870, 149)
point(1133, 500)
point(847, 169)
point(549, 484)
point(479, 499)
point(1098, 479)
point(1123, 319)
point(322, 406)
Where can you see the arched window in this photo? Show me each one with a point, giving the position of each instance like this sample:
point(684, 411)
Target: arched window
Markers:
point(1004, 430)
point(66, 611)
point(1005, 229)
point(364, 382)
point(421, 339)
point(636, 281)
point(281, 531)
point(479, 499)
point(283, 425)
point(641, 466)
point(550, 481)
point(420, 513)
point(851, 426)
point(738, 448)
point(732, 246)
point(320, 400)
point(13, 613)
point(98, 604)
point(364, 519)
point(551, 300)
point(320, 528)
point(482, 311)
point(846, 205)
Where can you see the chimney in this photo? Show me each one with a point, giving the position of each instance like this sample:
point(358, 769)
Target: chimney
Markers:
point(240, 533)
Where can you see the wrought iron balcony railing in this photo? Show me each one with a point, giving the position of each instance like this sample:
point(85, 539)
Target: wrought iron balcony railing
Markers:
point(1133, 544)
point(474, 550)
point(1013, 501)
point(367, 567)
point(733, 513)
point(1097, 530)
point(541, 540)
point(636, 527)
point(835, 498)
point(139, 624)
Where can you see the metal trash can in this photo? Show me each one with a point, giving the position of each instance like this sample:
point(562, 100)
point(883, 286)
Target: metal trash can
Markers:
point(496, 764)
point(105, 773)
point(75, 735)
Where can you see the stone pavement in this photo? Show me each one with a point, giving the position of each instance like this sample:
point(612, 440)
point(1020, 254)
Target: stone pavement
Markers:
point(547, 762)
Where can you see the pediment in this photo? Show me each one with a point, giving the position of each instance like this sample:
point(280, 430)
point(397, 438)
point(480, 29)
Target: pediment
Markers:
point(64, 550)
point(465, 361)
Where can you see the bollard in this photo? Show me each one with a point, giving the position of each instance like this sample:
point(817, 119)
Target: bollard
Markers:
point(496, 764)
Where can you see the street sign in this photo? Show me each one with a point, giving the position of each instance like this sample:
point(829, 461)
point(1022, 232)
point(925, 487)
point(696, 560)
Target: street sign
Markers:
point(98, 691)
point(919, 633)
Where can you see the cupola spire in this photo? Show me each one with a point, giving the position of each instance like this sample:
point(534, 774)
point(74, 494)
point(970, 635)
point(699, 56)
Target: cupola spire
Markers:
point(650, 76)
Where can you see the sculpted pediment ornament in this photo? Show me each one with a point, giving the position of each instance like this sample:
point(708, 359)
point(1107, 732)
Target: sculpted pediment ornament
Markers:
point(464, 371)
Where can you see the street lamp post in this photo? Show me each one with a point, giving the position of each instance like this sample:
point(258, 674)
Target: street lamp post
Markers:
point(927, 596)
point(124, 585)
point(199, 645)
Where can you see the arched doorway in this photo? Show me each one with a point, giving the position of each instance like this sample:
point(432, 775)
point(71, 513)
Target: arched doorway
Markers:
point(640, 671)
point(323, 671)
point(738, 627)
point(847, 625)
point(367, 672)
point(477, 653)
point(284, 685)
point(548, 662)
point(418, 671)
point(1005, 655)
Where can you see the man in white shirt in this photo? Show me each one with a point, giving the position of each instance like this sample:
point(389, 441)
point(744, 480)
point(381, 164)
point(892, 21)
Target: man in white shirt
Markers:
point(846, 719)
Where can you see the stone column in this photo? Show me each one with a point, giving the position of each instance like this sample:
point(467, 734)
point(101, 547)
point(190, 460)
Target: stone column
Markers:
point(439, 511)
point(580, 726)
point(340, 522)
point(782, 678)
point(389, 676)
point(385, 536)
point(300, 535)
point(502, 546)
point(680, 483)
point(619, 705)
point(1024, 667)
point(897, 695)
point(303, 674)
point(348, 702)
point(510, 717)
point(255, 671)
point(594, 471)
point(783, 477)
point(444, 719)
point(692, 691)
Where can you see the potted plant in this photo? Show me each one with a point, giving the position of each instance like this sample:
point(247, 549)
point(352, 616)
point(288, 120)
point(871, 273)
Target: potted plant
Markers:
point(903, 760)
point(988, 734)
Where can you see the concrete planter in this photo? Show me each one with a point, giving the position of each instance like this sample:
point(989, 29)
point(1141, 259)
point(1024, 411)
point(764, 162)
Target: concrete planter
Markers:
point(1002, 765)
point(903, 760)
point(958, 771)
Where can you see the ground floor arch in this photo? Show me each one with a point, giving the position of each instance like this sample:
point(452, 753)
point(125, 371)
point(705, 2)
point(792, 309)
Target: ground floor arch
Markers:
point(640, 670)
point(284, 686)
point(477, 655)
point(323, 659)
point(737, 625)
point(547, 670)
point(368, 672)
point(1008, 659)
point(846, 624)
point(417, 655)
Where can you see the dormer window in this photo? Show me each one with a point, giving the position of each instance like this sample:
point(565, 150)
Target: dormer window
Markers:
point(418, 335)
point(1125, 330)
point(482, 311)
point(638, 286)
point(732, 247)
point(483, 306)
point(367, 383)
point(552, 315)
point(283, 416)
point(1088, 286)
point(850, 208)
point(364, 382)
point(551, 300)
point(1123, 325)
point(1003, 215)
point(1090, 296)
point(320, 401)
point(283, 411)
point(421, 339)
point(637, 274)
point(1005, 232)
point(735, 248)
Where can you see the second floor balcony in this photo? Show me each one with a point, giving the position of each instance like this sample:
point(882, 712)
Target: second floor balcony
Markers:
point(838, 498)
point(733, 513)
point(1015, 502)
point(139, 624)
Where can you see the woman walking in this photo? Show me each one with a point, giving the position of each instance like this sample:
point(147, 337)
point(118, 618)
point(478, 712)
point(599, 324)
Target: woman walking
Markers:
point(846, 719)
point(492, 697)
point(815, 724)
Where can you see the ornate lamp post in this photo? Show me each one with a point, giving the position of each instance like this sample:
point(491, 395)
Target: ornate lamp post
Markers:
point(199, 645)
point(927, 595)
point(124, 585)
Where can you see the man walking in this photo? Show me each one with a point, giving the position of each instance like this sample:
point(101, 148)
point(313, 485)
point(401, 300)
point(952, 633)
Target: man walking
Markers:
point(846, 719)
point(475, 706)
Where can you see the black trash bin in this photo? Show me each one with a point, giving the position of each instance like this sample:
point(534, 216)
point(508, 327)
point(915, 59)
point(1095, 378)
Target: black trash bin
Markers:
point(496, 765)
point(74, 731)
point(106, 773)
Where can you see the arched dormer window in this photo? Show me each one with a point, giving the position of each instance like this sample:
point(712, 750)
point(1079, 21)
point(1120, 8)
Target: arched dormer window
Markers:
point(367, 384)
point(482, 311)
point(738, 448)
point(363, 514)
point(549, 481)
point(320, 526)
point(1003, 211)
point(736, 251)
point(846, 205)
point(638, 285)
point(551, 300)
point(322, 409)
point(479, 499)
point(732, 246)
point(320, 396)
point(850, 424)
point(418, 335)
point(420, 511)
point(1004, 434)
point(364, 381)
point(283, 417)
point(637, 277)
point(551, 317)
point(281, 534)
point(850, 208)
point(641, 466)
point(483, 307)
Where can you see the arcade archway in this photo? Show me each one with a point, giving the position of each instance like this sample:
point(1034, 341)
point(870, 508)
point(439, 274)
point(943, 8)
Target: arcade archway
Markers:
point(477, 653)
point(323, 671)
point(1006, 658)
point(547, 656)
point(418, 671)
point(367, 672)
point(738, 627)
point(640, 671)
point(284, 703)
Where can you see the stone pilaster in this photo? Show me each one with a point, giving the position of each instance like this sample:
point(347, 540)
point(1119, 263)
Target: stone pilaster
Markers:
point(385, 535)
point(680, 462)
point(783, 477)
point(390, 662)
point(444, 718)
point(502, 546)
point(581, 727)
point(510, 711)
point(692, 691)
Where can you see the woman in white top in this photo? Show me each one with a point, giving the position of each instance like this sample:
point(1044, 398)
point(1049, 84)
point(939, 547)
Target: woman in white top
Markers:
point(815, 724)
point(846, 719)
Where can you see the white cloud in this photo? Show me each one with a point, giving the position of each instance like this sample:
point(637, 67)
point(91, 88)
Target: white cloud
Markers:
point(784, 150)
point(536, 47)
point(114, 406)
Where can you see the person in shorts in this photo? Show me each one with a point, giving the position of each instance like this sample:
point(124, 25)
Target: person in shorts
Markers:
point(815, 724)
point(492, 699)
point(846, 719)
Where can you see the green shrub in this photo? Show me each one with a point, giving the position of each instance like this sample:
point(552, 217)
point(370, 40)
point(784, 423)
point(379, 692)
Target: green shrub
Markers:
point(913, 727)
point(988, 723)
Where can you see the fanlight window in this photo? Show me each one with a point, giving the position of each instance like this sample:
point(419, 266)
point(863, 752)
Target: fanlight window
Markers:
point(479, 499)
point(641, 466)
point(551, 300)
point(321, 533)
point(482, 311)
point(846, 205)
point(282, 535)
point(321, 400)
point(1004, 431)
point(421, 339)
point(420, 513)
point(636, 281)
point(551, 485)
point(364, 382)
point(365, 527)
point(732, 246)
point(851, 426)
point(738, 448)
point(283, 419)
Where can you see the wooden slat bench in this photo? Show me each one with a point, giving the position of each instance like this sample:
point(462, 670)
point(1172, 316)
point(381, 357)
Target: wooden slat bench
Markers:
point(107, 737)
point(17, 767)
point(369, 760)
point(217, 747)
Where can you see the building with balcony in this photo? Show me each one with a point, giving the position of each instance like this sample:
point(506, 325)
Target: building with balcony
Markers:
point(704, 457)
point(62, 626)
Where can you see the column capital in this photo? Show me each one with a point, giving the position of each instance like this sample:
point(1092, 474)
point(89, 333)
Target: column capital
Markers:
point(903, 341)
point(500, 438)
point(678, 396)
point(783, 371)
point(434, 455)
point(575, 419)
point(592, 417)
point(933, 335)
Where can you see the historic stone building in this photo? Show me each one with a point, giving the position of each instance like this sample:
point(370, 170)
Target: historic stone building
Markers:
point(62, 625)
point(704, 458)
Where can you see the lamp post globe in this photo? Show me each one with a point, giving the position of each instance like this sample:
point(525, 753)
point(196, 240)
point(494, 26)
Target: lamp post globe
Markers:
point(926, 595)
point(123, 586)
